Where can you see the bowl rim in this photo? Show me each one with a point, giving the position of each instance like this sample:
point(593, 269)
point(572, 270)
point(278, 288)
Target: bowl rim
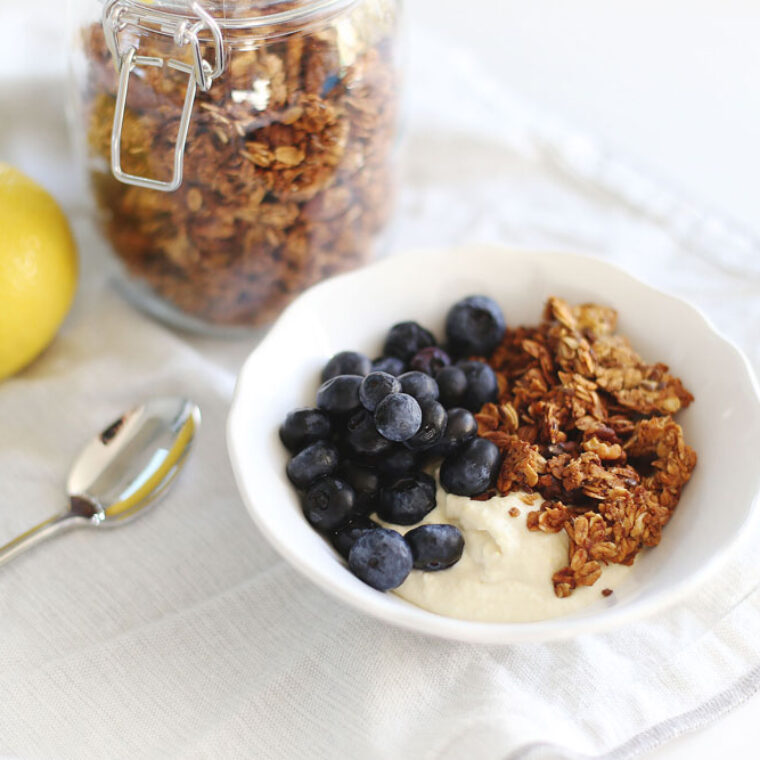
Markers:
point(407, 616)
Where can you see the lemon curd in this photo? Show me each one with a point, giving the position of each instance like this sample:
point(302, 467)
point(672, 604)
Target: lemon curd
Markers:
point(505, 573)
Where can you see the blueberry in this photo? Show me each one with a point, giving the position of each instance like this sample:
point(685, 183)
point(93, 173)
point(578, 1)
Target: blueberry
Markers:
point(346, 537)
point(340, 394)
point(331, 81)
point(474, 325)
point(315, 461)
point(419, 385)
point(390, 364)
point(429, 360)
point(375, 387)
point(432, 427)
point(408, 499)
point(400, 461)
point(435, 547)
point(398, 417)
point(470, 470)
point(328, 504)
point(482, 385)
point(347, 363)
point(381, 558)
point(304, 426)
point(452, 384)
point(405, 339)
point(361, 436)
point(461, 426)
point(366, 484)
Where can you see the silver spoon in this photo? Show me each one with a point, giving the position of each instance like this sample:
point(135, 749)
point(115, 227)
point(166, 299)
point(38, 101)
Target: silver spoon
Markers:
point(123, 470)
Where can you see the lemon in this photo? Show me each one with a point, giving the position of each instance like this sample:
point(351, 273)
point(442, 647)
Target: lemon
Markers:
point(38, 269)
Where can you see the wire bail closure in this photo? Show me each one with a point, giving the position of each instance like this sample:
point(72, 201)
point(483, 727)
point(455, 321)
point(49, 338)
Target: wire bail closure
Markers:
point(116, 16)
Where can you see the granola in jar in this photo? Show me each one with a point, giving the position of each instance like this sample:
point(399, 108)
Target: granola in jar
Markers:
point(287, 171)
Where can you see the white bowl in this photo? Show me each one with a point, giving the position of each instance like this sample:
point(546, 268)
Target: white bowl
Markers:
point(354, 311)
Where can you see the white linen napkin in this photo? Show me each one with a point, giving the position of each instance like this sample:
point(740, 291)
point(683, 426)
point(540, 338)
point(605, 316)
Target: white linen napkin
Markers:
point(185, 636)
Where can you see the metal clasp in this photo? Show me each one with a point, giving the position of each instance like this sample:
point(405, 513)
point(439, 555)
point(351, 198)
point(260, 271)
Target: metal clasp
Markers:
point(117, 14)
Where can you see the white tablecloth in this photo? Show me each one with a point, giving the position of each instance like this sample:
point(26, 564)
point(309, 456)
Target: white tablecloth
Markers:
point(185, 636)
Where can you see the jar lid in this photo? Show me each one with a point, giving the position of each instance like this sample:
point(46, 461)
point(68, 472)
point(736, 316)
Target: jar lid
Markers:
point(232, 14)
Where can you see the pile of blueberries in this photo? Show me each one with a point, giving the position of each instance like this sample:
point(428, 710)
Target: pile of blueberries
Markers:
point(376, 425)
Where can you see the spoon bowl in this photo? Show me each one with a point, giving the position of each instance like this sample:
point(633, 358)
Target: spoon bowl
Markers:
point(122, 471)
point(131, 463)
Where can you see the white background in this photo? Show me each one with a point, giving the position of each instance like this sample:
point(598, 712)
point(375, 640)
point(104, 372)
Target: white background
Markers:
point(672, 84)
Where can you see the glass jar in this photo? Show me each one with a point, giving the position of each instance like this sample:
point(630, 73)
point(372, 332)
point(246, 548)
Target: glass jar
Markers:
point(238, 150)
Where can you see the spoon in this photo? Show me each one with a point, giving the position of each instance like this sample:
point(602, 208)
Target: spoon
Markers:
point(122, 471)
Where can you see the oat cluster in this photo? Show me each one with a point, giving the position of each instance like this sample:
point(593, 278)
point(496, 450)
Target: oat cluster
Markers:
point(287, 168)
point(584, 421)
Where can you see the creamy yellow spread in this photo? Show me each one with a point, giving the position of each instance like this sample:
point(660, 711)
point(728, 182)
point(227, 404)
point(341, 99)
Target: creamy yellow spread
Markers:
point(505, 573)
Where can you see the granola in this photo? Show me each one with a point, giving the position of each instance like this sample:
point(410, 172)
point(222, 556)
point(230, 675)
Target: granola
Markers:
point(287, 168)
point(586, 423)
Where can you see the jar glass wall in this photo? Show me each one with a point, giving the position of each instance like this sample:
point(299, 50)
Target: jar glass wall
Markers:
point(287, 168)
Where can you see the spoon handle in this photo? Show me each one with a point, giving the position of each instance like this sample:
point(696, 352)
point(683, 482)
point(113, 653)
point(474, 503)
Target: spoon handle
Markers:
point(50, 527)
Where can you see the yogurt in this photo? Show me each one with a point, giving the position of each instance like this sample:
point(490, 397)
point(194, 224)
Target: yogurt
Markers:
point(505, 573)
